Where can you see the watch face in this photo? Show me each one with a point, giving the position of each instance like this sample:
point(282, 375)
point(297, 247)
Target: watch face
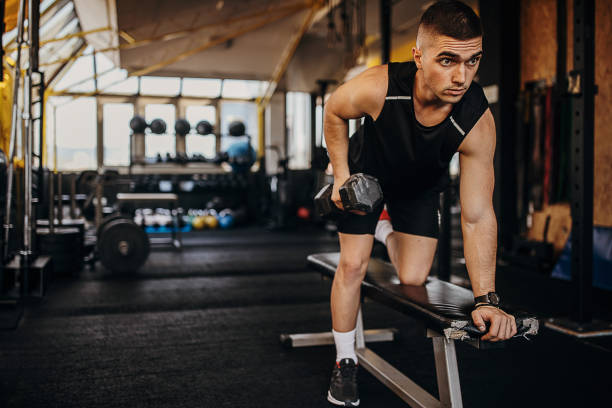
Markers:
point(494, 298)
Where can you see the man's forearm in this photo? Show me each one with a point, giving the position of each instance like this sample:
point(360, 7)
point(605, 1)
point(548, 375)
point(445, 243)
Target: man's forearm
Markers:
point(335, 130)
point(480, 248)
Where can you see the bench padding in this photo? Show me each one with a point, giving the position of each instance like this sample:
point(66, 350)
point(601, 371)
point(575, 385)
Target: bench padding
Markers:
point(441, 305)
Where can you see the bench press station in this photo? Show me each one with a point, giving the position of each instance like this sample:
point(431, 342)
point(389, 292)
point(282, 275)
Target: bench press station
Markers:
point(442, 307)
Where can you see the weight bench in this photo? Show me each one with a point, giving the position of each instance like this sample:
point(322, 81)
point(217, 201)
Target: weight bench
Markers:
point(157, 199)
point(442, 307)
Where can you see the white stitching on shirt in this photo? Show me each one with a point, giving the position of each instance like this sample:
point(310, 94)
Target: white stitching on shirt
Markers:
point(395, 98)
point(457, 126)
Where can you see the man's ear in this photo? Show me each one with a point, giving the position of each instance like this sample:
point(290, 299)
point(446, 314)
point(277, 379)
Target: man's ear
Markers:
point(417, 55)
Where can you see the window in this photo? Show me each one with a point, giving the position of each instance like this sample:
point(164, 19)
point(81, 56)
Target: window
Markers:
point(117, 133)
point(298, 129)
point(160, 86)
point(117, 82)
point(203, 88)
point(74, 131)
point(245, 112)
point(319, 126)
point(233, 88)
point(164, 143)
point(195, 143)
point(80, 76)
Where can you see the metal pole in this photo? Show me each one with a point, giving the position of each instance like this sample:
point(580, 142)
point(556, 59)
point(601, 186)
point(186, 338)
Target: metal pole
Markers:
point(27, 170)
point(385, 30)
point(60, 199)
point(73, 196)
point(582, 159)
point(15, 127)
point(51, 202)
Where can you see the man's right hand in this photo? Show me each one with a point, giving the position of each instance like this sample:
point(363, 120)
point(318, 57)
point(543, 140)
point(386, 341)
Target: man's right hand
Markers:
point(338, 182)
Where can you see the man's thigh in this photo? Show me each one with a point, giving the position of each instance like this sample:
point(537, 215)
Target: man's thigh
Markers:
point(415, 225)
point(413, 256)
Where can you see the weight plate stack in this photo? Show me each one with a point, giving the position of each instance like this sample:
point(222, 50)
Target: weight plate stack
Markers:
point(122, 245)
point(65, 247)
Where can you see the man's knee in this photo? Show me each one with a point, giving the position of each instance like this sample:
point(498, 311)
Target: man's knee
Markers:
point(415, 275)
point(351, 270)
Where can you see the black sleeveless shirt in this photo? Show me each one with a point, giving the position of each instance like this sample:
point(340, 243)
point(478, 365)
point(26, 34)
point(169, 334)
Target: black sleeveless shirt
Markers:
point(410, 159)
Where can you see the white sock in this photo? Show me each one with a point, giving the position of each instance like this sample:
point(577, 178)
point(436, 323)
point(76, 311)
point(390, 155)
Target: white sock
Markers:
point(345, 345)
point(382, 231)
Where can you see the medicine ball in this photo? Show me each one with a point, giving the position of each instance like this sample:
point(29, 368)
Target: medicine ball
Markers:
point(158, 126)
point(241, 156)
point(204, 128)
point(237, 128)
point(182, 127)
point(138, 124)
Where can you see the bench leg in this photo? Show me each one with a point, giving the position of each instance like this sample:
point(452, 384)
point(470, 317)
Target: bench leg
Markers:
point(327, 338)
point(447, 372)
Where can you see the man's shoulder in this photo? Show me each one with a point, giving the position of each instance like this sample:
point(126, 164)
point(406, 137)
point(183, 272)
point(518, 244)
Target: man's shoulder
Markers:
point(474, 101)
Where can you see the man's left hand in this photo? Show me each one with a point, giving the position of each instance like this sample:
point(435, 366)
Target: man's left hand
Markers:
point(502, 325)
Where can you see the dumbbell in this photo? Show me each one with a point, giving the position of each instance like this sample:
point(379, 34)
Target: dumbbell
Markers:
point(360, 192)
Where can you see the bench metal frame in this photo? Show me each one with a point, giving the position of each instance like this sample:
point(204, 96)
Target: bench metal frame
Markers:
point(447, 370)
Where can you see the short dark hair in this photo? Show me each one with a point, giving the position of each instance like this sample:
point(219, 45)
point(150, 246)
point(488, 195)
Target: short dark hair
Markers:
point(453, 19)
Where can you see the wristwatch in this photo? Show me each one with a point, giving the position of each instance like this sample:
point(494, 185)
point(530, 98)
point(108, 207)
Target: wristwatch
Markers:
point(490, 298)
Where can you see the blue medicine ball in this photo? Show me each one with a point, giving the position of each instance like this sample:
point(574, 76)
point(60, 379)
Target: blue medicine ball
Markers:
point(226, 221)
point(241, 156)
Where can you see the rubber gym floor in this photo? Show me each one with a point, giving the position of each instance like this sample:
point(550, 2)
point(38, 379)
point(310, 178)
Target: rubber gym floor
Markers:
point(200, 328)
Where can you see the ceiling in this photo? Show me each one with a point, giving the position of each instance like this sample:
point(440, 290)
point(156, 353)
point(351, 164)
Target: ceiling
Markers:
point(241, 39)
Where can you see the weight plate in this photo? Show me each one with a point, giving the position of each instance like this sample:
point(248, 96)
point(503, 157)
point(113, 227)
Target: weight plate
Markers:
point(109, 218)
point(123, 246)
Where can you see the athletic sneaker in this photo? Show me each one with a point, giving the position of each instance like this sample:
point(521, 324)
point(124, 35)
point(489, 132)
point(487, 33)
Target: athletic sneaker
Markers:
point(343, 384)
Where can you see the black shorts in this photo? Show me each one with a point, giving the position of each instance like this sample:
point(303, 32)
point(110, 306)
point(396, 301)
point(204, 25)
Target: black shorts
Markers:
point(412, 215)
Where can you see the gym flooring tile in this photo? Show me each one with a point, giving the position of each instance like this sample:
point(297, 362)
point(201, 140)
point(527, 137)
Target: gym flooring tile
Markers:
point(200, 328)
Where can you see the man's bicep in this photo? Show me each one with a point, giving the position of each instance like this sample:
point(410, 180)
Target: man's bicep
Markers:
point(477, 177)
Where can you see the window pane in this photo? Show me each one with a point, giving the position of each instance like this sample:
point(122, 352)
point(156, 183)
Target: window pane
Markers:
point(245, 112)
point(233, 88)
point(115, 82)
point(80, 76)
point(195, 143)
point(319, 126)
point(116, 122)
point(75, 132)
point(207, 88)
point(163, 143)
point(298, 129)
point(160, 86)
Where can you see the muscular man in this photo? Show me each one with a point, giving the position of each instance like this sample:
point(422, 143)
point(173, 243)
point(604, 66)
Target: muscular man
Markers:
point(417, 115)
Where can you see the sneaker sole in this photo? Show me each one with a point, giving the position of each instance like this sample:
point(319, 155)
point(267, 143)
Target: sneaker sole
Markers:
point(340, 403)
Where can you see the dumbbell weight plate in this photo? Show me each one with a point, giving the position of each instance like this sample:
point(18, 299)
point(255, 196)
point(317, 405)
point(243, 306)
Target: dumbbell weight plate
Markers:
point(123, 246)
point(361, 192)
point(110, 218)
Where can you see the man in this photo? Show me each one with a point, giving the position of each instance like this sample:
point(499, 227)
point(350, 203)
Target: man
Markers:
point(417, 115)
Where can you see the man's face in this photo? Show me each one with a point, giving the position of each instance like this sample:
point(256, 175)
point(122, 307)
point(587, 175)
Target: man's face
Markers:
point(448, 64)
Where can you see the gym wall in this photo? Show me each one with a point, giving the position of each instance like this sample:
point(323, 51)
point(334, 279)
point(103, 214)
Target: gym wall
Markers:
point(538, 61)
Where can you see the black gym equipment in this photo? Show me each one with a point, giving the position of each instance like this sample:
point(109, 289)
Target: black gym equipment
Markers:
point(204, 128)
point(182, 127)
point(237, 128)
point(65, 247)
point(138, 124)
point(158, 126)
point(360, 192)
point(442, 307)
point(123, 246)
